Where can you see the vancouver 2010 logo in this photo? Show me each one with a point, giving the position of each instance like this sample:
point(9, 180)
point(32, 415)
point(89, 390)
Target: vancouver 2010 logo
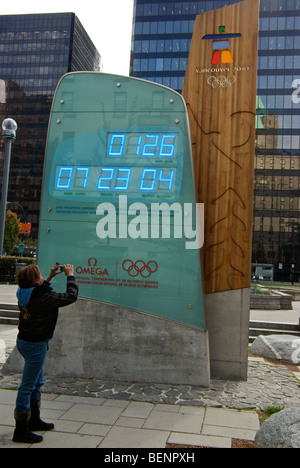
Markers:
point(221, 45)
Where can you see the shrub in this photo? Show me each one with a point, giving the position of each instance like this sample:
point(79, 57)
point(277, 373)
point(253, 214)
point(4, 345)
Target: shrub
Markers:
point(8, 267)
point(11, 231)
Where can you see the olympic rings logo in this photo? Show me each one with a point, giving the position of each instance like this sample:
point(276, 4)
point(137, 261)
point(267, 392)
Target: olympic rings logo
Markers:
point(133, 269)
point(221, 81)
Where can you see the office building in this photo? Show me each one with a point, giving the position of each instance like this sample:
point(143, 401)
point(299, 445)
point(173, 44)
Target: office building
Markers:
point(36, 50)
point(161, 37)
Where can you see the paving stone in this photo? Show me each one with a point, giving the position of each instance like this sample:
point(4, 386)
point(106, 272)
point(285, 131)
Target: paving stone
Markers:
point(231, 418)
point(92, 414)
point(199, 440)
point(267, 385)
point(175, 422)
point(124, 437)
point(66, 440)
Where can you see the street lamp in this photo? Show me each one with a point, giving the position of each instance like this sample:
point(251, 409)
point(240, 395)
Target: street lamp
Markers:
point(9, 128)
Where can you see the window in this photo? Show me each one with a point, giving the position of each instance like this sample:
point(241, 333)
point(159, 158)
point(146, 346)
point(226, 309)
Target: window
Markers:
point(159, 64)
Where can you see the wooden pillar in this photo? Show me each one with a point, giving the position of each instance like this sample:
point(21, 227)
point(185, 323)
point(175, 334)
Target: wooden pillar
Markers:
point(220, 92)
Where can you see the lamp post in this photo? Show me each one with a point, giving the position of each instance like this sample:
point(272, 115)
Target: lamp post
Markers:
point(9, 128)
point(20, 206)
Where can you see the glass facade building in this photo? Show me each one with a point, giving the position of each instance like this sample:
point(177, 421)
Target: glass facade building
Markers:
point(35, 52)
point(161, 38)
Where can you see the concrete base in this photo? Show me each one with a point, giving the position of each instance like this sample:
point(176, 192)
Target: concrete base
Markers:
point(227, 319)
point(98, 340)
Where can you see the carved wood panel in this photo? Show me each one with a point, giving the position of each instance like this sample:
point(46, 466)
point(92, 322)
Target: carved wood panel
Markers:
point(220, 92)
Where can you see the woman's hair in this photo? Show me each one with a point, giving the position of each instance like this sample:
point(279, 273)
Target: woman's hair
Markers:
point(28, 276)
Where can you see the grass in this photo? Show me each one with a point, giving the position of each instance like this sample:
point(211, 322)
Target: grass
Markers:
point(263, 415)
point(277, 285)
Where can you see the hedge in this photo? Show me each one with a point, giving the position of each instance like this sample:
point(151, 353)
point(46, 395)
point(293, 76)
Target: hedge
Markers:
point(8, 267)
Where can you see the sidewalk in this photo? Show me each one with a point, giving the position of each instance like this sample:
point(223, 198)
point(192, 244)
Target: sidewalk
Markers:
point(8, 293)
point(136, 416)
point(84, 422)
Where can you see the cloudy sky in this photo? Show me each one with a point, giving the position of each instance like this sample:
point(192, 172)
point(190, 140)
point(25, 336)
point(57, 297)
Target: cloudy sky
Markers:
point(107, 22)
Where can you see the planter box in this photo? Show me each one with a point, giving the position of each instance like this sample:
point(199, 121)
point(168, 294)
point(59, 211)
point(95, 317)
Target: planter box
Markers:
point(276, 301)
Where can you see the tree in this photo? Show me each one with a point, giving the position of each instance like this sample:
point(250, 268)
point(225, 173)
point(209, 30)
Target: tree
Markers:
point(11, 232)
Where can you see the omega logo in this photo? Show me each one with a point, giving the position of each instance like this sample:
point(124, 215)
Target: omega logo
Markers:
point(92, 260)
point(92, 268)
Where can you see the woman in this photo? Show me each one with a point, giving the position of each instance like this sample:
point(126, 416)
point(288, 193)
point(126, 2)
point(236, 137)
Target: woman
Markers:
point(38, 305)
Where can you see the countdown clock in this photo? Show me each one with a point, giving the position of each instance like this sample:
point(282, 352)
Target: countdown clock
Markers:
point(111, 136)
point(131, 163)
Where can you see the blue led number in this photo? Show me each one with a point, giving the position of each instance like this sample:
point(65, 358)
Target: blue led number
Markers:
point(64, 177)
point(138, 145)
point(161, 145)
point(116, 146)
point(116, 178)
point(148, 146)
point(124, 181)
point(147, 183)
point(108, 178)
point(84, 170)
point(138, 149)
point(167, 179)
point(167, 149)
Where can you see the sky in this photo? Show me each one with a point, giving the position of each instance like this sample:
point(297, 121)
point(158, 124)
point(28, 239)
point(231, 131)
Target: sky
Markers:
point(107, 22)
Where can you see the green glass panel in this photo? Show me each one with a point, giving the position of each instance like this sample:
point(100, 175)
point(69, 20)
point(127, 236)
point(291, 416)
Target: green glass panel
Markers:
point(117, 148)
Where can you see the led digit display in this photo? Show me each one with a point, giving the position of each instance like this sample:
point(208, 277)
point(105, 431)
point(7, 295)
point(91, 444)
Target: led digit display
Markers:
point(138, 164)
point(64, 177)
point(105, 180)
point(116, 145)
point(142, 144)
point(82, 177)
point(96, 179)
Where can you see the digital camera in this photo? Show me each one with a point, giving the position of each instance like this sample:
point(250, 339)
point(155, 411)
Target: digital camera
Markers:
point(60, 266)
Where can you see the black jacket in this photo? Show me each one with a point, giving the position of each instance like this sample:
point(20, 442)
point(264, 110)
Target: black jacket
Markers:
point(39, 309)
